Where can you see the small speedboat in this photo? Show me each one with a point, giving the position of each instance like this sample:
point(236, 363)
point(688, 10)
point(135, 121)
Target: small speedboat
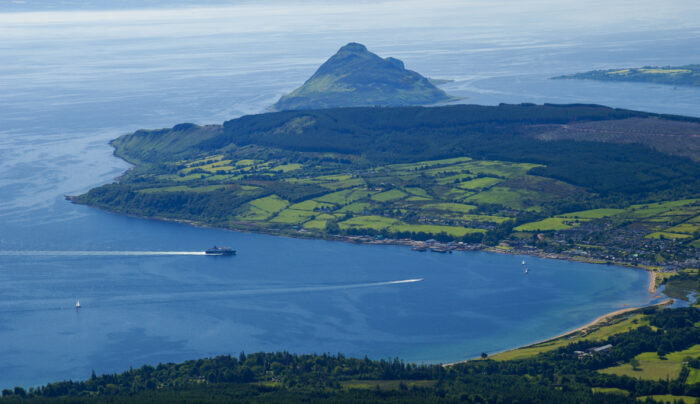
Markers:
point(77, 303)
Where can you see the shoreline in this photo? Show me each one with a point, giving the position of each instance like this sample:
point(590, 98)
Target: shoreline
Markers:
point(415, 244)
point(434, 247)
point(598, 320)
point(423, 246)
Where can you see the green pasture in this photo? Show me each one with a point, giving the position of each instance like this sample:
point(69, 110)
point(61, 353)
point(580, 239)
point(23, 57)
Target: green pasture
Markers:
point(693, 376)
point(369, 222)
point(356, 207)
point(389, 195)
point(593, 213)
point(434, 229)
point(668, 235)
point(479, 183)
point(182, 188)
point(292, 216)
point(485, 218)
point(454, 179)
point(311, 205)
point(652, 367)
point(551, 223)
point(685, 228)
point(417, 199)
point(262, 208)
point(422, 165)
point(618, 326)
point(272, 203)
point(417, 192)
point(319, 222)
point(667, 398)
point(449, 207)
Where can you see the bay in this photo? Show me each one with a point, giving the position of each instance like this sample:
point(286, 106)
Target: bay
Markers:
point(72, 81)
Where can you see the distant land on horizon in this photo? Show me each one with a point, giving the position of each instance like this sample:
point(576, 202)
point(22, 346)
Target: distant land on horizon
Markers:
point(356, 77)
point(688, 75)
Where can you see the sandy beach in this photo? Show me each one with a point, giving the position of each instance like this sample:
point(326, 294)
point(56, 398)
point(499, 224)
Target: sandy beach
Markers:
point(597, 321)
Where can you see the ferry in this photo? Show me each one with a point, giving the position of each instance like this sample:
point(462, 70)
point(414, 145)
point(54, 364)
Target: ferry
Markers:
point(220, 251)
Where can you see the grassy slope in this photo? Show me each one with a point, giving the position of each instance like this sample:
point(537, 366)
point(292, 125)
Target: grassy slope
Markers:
point(652, 367)
point(616, 326)
point(368, 162)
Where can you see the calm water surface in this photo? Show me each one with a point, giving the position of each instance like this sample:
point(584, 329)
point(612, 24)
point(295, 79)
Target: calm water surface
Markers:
point(72, 82)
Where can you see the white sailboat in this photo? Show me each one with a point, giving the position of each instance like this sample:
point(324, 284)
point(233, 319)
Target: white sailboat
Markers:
point(77, 303)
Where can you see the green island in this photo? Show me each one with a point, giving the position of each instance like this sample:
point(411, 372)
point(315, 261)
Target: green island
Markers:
point(509, 178)
point(356, 77)
point(688, 75)
point(645, 355)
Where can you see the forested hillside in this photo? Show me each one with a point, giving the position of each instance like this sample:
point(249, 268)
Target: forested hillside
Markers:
point(455, 173)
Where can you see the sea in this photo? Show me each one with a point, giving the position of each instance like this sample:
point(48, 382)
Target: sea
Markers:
point(76, 74)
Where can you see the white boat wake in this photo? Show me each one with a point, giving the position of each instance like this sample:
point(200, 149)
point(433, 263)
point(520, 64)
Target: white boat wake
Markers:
point(96, 253)
point(223, 294)
point(39, 304)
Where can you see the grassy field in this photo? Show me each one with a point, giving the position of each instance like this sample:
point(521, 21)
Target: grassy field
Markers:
point(263, 208)
point(433, 229)
point(618, 325)
point(667, 398)
point(693, 376)
point(388, 195)
point(479, 183)
point(183, 188)
point(652, 367)
point(449, 207)
point(362, 199)
point(673, 220)
point(433, 197)
point(369, 222)
point(293, 217)
point(551, 223)
point(593, 213)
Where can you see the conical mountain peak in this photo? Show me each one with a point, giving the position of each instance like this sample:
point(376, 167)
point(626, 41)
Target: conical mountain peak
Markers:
point(354, 76)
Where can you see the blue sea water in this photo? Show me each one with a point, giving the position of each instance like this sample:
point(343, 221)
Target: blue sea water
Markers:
point(70, 81)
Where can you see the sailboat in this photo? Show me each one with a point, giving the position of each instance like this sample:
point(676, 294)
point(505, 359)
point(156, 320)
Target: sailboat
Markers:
point(77, 303)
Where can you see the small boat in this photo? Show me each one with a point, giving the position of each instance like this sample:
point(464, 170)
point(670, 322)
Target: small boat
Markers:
point(526, 271)
point(77, 303)
point(523, 262)
point(220, 251)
